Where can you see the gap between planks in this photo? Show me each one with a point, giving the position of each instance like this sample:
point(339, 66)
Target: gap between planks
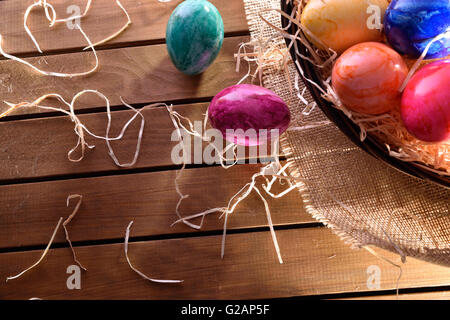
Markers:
point(102, 109)
point(168, 236)
point(427, 293)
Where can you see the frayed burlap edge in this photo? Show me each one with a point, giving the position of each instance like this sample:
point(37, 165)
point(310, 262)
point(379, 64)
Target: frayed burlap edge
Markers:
point(259, 32)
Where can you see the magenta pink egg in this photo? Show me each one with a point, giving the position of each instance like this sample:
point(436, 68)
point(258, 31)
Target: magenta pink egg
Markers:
point(425, 107)
point(245, 114)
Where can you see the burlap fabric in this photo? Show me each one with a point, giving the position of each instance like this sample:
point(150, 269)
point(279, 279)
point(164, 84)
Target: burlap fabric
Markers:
point(363, 200)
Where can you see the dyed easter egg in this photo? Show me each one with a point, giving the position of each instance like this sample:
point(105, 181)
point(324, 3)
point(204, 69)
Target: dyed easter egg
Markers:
point(367, 78)
point(411, 24)
point(340, 24)
point(425, 107)
point(194, 36)
point(243, 107)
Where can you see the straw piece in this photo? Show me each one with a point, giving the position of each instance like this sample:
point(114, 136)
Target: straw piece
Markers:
point(72, 215)
point(127, 236)
point(269, 220)
point(25, 19)
point(114, 35)
point(42, 256)
point(416, 65)
point(51, 73)
point(370, 250)
point(276, 171)
point(50, 14)
point(179, 172)
point(80, 129)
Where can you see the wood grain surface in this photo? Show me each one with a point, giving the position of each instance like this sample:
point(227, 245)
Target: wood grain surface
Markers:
point(30, 211)
point(139, 75)
point(37, 148)
point(149, 20)
point(315, 262)
point(36, 178)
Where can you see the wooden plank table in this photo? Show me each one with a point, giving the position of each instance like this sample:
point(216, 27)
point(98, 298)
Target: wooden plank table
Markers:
point(36, 178)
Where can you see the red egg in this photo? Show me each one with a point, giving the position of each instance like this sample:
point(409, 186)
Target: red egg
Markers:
point(367, 78)
point(425, 106)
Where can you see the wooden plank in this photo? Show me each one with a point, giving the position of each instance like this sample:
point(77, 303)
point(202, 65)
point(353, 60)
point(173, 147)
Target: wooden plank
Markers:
point(149, 20)
point(315, 262)
point(30, 211)
point(140, 75)
point(38, 147)
point(433, 295)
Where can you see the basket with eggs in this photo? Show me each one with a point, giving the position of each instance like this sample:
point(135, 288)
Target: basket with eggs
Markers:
point(381, 71)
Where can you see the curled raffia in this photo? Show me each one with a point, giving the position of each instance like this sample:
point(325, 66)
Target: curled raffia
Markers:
point(127, 236)
point(81, 130)
point(42, 256)
point(273, 169)
point(66, 222)
point(50, 14)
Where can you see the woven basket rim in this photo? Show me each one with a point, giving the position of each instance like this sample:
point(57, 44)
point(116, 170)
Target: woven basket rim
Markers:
point(371, 145)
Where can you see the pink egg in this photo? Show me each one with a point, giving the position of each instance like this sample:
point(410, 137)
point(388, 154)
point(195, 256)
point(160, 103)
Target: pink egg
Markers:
point(425, 107)
point(367, 78)
point(244, 112)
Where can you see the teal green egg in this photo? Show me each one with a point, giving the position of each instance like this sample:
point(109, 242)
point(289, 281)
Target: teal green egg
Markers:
point(194, 36)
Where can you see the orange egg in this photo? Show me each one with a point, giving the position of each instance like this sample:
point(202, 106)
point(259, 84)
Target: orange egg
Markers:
point(367, 78)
